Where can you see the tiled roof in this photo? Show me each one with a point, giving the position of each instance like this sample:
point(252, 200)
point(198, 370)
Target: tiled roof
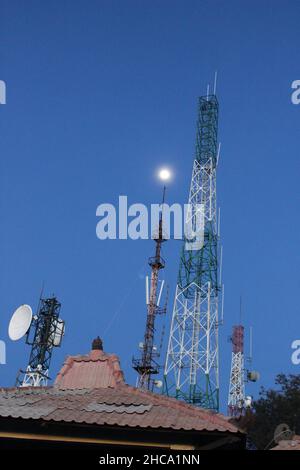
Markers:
point(91, 389)
point(116, 406)
point(94, 370)
point(293, 444)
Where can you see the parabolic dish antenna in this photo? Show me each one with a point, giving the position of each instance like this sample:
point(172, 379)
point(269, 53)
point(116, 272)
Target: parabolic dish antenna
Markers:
point(20, 322)
point(282, 433)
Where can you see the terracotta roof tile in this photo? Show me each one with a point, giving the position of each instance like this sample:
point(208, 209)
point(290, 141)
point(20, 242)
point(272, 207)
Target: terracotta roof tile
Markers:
point(91, 389)
point(111, 406)
point(96, 369)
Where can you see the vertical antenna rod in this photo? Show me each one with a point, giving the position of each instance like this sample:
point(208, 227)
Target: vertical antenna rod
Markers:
point(192, 366)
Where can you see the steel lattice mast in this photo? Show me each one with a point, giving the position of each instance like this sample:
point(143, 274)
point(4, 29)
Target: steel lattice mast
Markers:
point(147, 365)
point(191, 368)
point(45, 333)
point(236, 397)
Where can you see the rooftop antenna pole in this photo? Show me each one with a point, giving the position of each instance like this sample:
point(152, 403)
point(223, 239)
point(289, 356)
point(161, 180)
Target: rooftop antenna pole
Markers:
point(218, 154)
point(240, 309)
point(147, 365)
point(222, 304)
point(215, 82)
point(207, 92)
point(250, 344)
point(41, 295)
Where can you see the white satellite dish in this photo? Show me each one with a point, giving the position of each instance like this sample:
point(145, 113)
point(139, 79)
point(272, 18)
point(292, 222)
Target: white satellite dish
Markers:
point(20, 322)
point(283, 433)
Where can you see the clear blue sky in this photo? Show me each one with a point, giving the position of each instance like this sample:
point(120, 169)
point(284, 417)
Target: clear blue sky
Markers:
point(100, 94)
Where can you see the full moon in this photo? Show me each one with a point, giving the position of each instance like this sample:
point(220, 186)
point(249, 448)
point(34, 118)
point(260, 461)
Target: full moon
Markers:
point(164, 174)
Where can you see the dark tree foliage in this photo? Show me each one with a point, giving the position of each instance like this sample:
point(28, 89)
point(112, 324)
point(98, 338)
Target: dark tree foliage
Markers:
point(273, 407)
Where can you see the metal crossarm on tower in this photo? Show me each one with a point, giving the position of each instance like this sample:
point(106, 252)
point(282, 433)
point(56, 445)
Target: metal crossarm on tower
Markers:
point(192, 365)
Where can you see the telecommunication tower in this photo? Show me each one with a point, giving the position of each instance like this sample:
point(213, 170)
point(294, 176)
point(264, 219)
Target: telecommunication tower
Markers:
point(236, 397)
point(45, 333)
point(238, 401)
point(147, 365)
point(192, 365)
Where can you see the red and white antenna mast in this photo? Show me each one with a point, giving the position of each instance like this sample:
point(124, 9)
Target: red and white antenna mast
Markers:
point(236, 397)
point(147, 365)
point(238, 402)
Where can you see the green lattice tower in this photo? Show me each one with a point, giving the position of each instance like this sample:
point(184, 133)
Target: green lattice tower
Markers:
point(191, 368)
